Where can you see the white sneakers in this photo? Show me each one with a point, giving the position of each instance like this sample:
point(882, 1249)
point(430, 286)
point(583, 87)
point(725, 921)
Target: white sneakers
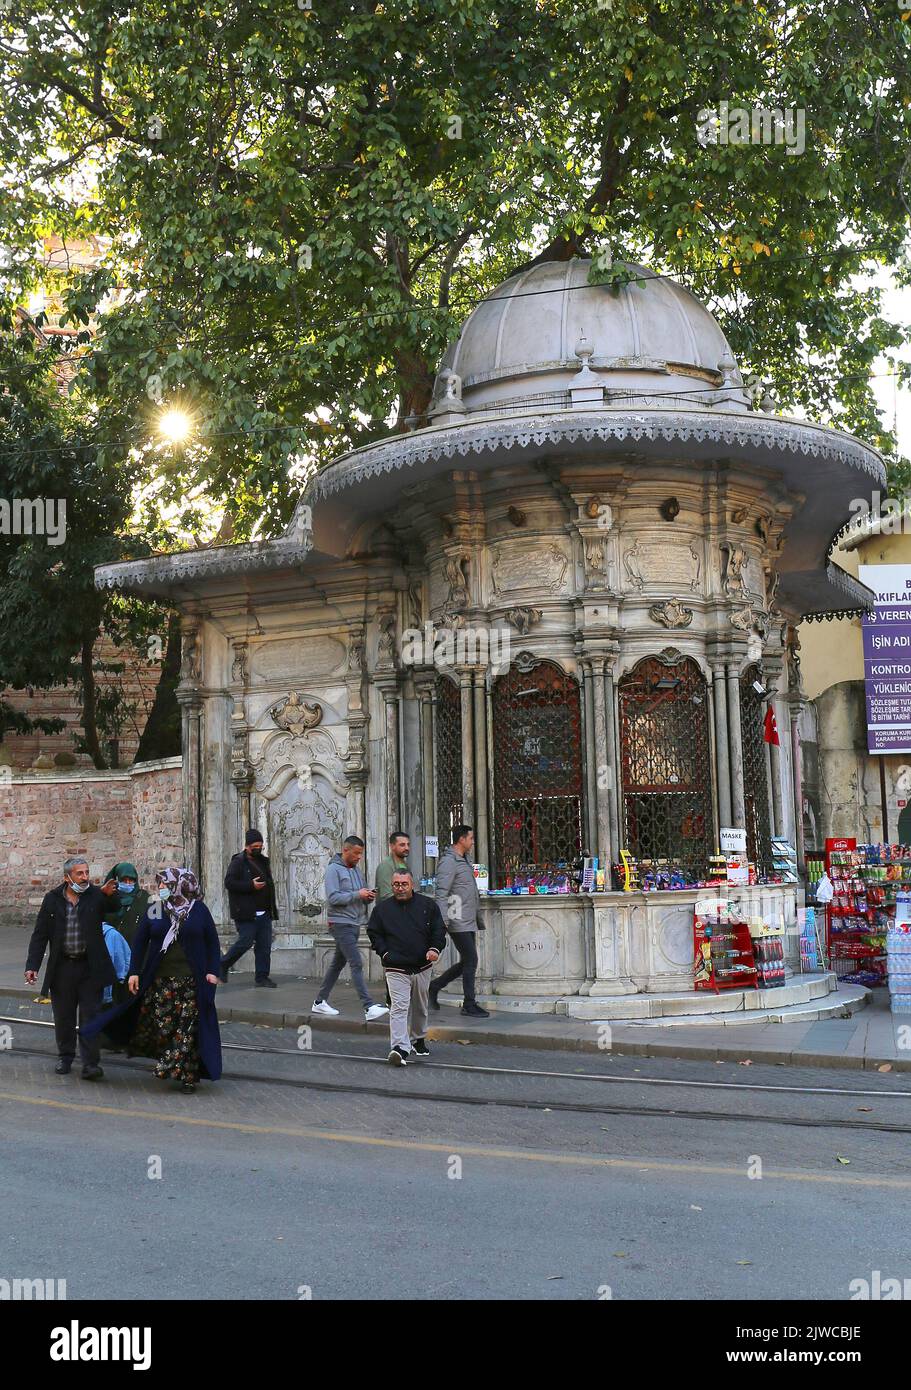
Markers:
point(375, 1011)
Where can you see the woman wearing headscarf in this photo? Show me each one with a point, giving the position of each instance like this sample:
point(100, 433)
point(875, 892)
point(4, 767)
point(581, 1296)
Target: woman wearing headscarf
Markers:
point(133, 900)
point(173, 976)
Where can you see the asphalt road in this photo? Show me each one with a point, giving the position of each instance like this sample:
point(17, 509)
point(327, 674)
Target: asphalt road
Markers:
point(337, 1177)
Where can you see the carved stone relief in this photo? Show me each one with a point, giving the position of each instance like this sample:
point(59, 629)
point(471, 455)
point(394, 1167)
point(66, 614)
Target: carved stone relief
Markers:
point(517, 566)
point(295, 715)
point(671, 614)
point(656, 562)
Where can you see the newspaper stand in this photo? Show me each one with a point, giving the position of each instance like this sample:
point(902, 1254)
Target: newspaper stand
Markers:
point(723, 950)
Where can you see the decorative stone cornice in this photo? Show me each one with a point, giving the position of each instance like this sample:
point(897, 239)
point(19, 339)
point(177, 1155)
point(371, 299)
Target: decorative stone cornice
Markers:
point(730, 431)
point(164, 572)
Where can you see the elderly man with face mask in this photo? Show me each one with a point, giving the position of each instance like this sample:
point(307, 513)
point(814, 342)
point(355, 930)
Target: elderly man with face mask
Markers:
point(69, 926)
point(408, 934)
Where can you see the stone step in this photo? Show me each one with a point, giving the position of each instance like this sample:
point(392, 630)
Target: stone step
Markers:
point(751, 1005)
point(842, 1003)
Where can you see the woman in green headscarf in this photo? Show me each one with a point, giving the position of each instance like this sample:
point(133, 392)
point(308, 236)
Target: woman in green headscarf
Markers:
point(133, 901)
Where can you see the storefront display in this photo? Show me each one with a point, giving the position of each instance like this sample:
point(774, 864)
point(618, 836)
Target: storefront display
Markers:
point(866, 882)
point(724, 956)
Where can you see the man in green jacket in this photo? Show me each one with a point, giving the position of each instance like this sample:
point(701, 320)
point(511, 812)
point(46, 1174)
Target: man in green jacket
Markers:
point(396, 859)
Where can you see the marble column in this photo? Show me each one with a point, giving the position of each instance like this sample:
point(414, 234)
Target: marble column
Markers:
point(590, 838)
point(482, 840)
point(468, 782)
point(775, 760)
point(602, 767)
point(191, 711)
point(738, 802)
point(613, 759)
point(428, 809)
point(722, 755)
point(796, 708)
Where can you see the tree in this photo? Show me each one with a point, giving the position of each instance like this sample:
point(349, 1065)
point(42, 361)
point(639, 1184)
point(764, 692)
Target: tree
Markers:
point(302, 204)
point(63, 511)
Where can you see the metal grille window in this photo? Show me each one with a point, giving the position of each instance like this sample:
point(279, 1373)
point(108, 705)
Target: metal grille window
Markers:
point(755, 779)
point(537, 728)
point(448, 753)
point(665, 762)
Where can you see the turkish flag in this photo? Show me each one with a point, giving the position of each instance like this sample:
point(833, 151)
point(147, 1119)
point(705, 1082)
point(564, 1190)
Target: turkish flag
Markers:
point(770, 728)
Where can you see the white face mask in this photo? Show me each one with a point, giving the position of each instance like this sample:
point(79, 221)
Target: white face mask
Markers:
point(77, 887)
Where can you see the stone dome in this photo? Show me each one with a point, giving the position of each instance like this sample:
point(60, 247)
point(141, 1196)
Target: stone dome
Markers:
point(528, 339)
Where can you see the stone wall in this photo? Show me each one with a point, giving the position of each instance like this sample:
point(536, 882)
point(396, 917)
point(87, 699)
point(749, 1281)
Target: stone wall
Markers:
point(105, 816)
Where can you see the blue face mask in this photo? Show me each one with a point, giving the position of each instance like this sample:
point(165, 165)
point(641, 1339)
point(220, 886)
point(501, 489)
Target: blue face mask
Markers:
point(126, 887)
point(164, 894)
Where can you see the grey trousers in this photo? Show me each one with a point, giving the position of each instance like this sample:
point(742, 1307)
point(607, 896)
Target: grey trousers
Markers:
point(347, 952)
point(408, 1015)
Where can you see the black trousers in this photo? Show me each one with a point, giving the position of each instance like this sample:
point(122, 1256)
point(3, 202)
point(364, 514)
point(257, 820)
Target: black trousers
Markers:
point(74, 991)
point(466, 966)
point(257, 934)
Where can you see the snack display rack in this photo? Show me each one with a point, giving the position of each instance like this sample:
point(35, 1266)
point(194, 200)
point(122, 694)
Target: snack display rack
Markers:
point(866, 880)
point(723, 950)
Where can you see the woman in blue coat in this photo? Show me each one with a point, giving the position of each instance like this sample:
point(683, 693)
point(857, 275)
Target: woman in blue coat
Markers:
point(173, 978)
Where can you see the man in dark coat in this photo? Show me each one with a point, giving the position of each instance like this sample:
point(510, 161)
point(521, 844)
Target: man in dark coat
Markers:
point(79, 965)
point(408, 934)
point(251, 896)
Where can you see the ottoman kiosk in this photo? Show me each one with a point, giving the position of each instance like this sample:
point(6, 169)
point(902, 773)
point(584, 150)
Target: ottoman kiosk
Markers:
point(617, 548)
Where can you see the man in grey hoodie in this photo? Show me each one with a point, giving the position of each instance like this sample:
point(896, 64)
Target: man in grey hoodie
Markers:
point(347, 896)
point(456, 893)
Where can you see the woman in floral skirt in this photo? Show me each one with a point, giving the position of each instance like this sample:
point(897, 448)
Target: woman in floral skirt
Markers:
point(173, 978)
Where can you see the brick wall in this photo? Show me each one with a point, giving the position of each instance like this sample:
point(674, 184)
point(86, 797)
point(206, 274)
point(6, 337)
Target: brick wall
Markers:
point(105, 816)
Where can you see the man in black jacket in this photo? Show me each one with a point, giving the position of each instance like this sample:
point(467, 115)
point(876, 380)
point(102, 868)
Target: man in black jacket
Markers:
point(408, 934)
point(251, 896)
point(69, 923)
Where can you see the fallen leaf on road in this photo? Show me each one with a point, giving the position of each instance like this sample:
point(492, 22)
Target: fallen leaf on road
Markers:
point(886, 1066)
point(744, 1262)
point(554, 1276)
point(865, 1109)
point(619, 1254)
point(747, 1063)
point(464, 1042)
point(842, 1160)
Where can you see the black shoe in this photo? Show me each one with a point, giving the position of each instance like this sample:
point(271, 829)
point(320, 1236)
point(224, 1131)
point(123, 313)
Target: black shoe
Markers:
point(432, 992)
point(92, 1073)
point(223, 973)
point(266, 983)
point(419, 1047)
point(64, 1067)
point(398, 1057)
point(188, 1085)
point(473, 1010)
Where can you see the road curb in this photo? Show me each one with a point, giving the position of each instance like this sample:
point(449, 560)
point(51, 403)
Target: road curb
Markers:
point(552, 1042)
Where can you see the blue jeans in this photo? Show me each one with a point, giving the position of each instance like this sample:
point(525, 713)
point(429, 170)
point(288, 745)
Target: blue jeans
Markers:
point(257, 934)
point(347, 952)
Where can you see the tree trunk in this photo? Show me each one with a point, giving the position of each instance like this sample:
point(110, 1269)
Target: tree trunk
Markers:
point(161, 735)
point(89, 719)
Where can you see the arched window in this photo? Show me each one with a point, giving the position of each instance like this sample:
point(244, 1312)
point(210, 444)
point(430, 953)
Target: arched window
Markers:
point(755, 778)
point(537, 739)
point(448, 758)
point(665, 763)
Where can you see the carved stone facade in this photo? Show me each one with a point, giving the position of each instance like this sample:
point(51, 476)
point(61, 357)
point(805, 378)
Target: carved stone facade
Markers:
point(644, 517)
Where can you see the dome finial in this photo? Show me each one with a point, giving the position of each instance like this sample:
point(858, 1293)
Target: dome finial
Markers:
point(583, 350)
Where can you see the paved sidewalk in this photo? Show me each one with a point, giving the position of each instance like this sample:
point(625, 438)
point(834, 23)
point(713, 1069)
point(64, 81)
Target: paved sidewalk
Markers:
point(868, 1039)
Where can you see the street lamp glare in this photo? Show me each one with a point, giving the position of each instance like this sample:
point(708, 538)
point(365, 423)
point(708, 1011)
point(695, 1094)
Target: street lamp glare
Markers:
point(175, 425)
